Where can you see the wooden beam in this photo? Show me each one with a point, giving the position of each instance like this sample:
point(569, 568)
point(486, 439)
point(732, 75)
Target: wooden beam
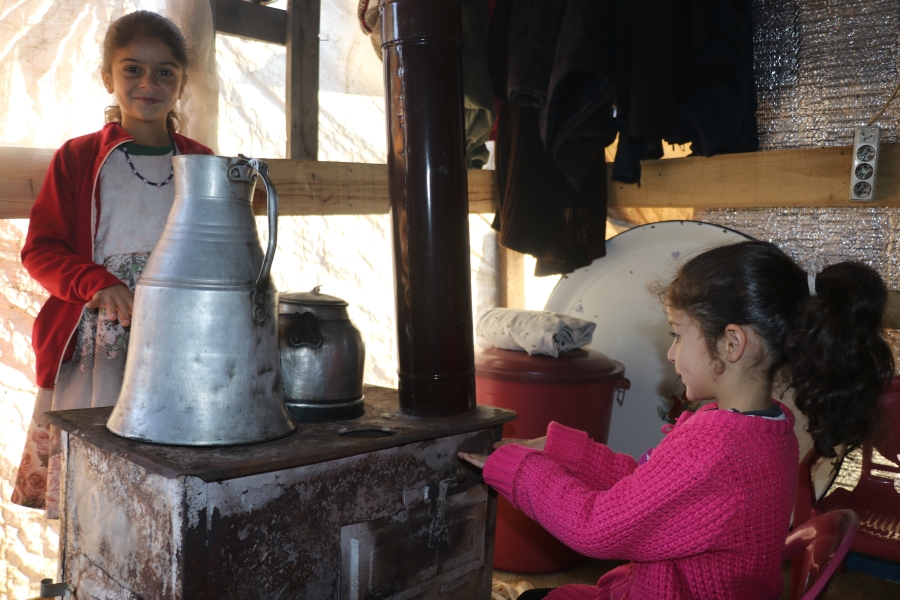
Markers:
point(301, 105)
point(250, 21)
point(304, 187)
point(308, 187)
point(22, 179)
point(328, 188)
point(812, 177)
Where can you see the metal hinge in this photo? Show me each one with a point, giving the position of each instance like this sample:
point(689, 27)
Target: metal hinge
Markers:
point(53, 590)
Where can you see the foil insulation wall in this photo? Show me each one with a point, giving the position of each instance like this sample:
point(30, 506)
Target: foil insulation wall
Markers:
point(822, 68)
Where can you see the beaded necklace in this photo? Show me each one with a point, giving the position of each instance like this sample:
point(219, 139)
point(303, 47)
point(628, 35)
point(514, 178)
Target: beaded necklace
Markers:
point(124, 149)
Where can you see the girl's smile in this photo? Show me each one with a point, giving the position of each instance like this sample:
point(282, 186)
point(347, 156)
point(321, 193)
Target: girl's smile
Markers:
point(147, 81)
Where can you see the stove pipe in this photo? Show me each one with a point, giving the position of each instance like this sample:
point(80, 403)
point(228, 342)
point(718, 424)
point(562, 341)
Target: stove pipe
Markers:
point(429, 206)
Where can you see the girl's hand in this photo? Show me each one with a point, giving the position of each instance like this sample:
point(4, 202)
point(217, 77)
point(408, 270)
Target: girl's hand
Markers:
point(537, 443)
point(118, 301)
point(477, 460)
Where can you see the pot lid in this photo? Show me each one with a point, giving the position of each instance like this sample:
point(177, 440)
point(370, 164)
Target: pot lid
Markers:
point(574, 367)
point(288, 302)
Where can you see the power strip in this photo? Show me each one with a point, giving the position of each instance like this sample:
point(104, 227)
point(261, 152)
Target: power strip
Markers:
point(866, 148)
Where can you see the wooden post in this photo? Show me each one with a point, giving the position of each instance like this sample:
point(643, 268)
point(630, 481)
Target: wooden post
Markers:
point(511, 277)
point(301, 107)
point(250, 21)
point(891, 319)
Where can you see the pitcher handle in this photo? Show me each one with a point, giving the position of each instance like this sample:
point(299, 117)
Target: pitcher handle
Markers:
point(259, 296)
point(262, 282)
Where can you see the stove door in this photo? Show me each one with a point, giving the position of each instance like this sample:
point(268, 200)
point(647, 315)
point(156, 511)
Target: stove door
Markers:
point(432, 550)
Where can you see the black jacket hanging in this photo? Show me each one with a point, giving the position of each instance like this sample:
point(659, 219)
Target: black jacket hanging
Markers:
point(553, 126)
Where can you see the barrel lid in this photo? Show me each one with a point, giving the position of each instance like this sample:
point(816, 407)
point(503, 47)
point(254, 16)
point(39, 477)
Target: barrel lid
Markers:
point(574, 367)
point(288, 302)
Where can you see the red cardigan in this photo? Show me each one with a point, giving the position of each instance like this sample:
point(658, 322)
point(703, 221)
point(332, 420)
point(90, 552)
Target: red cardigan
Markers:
point(59, 248)
point(704, 519)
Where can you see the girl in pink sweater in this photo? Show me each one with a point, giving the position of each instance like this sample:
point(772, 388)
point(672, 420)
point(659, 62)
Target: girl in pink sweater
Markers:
point(706, 515)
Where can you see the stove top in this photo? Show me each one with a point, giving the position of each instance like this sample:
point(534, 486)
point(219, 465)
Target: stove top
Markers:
point(382, 426)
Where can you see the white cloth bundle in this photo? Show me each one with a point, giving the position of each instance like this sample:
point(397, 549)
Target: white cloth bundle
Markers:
point(535, 332)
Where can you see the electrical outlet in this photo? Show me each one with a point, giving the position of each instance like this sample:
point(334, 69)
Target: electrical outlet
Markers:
point(866, 148)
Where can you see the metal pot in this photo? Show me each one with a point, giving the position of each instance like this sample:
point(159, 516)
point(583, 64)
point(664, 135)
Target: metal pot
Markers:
point(322, 357)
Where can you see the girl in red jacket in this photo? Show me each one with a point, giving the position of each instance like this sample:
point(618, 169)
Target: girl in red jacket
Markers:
point(100, 212)
point(705, 515)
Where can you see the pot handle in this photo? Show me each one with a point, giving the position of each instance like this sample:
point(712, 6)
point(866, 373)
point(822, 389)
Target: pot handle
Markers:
point(306, 332)
point(262, 282)
point(622, 385)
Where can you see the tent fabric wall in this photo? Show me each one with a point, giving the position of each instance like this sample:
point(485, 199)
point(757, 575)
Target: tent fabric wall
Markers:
point(50, 55)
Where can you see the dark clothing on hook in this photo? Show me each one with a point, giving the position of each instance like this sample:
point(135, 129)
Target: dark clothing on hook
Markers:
point(673, 70)
point(553, 126)
point(719, 117)
point(576, 120)
point(629, 154)
point(540, 213)
point(533, 30)
point(478, 99)
point(686, 74)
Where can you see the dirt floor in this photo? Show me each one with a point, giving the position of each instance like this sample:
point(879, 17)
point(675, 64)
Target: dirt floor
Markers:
point(846, 585)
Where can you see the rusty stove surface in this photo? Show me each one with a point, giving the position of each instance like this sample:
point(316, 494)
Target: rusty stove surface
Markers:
point(319, 514)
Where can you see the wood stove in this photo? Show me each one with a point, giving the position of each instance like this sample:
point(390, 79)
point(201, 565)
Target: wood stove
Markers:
point(377, 507)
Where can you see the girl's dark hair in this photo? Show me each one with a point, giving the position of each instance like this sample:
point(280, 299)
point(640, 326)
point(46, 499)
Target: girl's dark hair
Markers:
point(829, 347)
point(149, 24)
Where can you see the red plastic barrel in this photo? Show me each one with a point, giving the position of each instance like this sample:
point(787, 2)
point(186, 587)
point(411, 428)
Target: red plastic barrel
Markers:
point(577, 390)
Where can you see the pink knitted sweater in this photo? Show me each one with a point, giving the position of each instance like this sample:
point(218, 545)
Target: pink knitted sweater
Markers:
point(705, 518)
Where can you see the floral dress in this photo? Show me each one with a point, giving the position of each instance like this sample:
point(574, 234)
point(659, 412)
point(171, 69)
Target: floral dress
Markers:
point(95, 372)
point(32, 488)
point(131, 222)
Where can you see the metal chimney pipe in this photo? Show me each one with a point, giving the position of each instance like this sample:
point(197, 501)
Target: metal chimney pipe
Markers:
point(429, 206)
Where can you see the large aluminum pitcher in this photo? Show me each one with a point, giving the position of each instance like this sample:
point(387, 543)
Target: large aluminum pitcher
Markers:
point(203, 367)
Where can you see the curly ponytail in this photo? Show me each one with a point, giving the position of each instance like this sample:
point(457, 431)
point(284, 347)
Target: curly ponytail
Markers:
point(829, 347)
point(838, 361)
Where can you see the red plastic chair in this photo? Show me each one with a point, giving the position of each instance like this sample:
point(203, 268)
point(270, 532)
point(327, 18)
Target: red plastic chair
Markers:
point(875, 498)
point(824, 542)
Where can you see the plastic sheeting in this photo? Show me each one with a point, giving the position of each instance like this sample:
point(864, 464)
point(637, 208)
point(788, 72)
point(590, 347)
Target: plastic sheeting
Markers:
point(823, 68)
point(251, 81)
point(50, 57)
point(51, 90)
